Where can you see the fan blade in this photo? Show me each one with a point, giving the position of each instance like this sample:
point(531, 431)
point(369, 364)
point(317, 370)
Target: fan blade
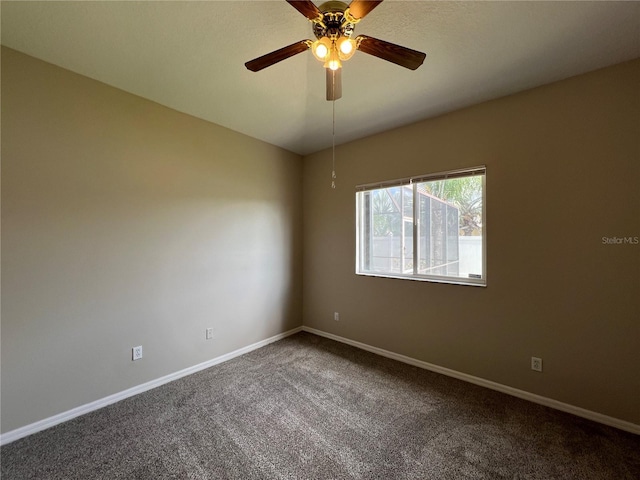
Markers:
point(306, 8)
point(334, 84)
point(403, 56)
point(269, 59)
point(361, 8)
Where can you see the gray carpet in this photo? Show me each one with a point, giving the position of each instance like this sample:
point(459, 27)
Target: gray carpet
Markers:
point(308, 407)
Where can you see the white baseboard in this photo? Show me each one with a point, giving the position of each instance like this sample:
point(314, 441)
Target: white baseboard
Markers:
point(532, 397)
point(21, 432)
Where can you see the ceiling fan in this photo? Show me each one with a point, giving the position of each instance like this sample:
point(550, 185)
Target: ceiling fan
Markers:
point(333, 25)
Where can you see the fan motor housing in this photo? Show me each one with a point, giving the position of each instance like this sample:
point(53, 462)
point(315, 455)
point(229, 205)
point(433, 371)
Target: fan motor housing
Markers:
point(334, 23)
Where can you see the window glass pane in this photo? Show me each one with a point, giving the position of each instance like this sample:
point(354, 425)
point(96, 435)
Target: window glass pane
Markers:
point(386, 244)
point(455, 225)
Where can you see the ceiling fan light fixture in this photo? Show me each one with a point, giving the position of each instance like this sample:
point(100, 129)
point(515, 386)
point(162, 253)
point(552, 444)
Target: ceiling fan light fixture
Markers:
point(321, 48)
point(334, 64)
point(346, 48)
point(321, 51)
point(333, 61)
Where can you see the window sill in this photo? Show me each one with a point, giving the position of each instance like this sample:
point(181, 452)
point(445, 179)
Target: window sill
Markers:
point(462, 281)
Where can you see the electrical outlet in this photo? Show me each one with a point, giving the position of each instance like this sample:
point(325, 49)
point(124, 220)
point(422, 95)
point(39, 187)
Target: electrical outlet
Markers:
point(136, 352)
point(336, 316)
point(209, 333)
point(536, 364)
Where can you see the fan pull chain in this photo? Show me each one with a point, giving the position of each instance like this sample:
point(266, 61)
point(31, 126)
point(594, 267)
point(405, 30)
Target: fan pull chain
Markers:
point(333, 133)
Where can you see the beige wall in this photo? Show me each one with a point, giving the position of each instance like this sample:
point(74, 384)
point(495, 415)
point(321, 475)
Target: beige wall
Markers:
point(563, 169)
point(126, 223)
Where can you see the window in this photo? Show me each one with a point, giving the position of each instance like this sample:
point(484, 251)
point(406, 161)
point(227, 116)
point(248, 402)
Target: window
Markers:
point(430, 228)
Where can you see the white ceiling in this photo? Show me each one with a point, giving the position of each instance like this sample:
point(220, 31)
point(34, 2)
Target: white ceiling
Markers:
point(189, 55)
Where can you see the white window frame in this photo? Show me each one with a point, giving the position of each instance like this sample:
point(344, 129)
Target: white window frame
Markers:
point(413, 181)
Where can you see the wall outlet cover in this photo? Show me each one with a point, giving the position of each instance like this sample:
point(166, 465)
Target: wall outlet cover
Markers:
point(136, 352)
point(536, 364)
